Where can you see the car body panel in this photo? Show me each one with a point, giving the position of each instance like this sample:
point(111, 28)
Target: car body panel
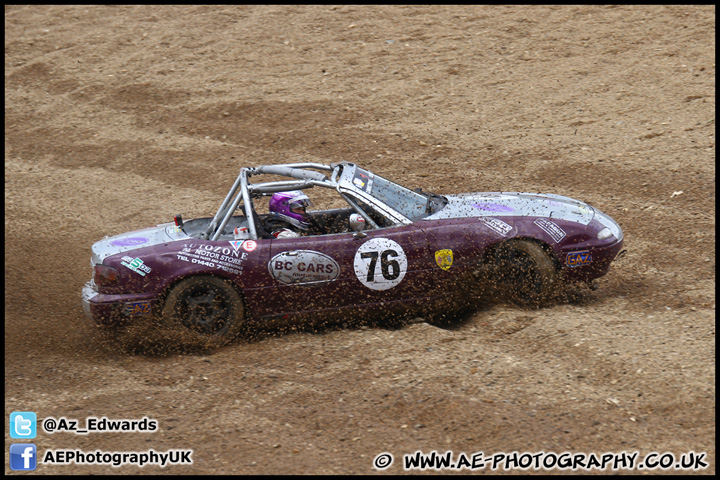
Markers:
point(146, 237)
point(515, 204)
point(355, 283)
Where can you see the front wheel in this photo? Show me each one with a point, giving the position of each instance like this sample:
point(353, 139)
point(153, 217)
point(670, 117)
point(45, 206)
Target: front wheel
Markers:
point(526, 273)
point(205, 309)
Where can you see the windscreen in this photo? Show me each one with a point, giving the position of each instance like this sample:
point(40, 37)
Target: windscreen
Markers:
point(410, 204)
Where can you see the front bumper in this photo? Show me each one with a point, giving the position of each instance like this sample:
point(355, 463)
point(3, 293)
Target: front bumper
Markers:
point(588, 264)
point(116, 310)
point(88, 293)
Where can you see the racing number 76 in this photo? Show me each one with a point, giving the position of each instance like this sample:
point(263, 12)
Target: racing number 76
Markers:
point(390, 269)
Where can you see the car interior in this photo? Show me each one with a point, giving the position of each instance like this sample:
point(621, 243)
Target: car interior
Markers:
point(325, 222)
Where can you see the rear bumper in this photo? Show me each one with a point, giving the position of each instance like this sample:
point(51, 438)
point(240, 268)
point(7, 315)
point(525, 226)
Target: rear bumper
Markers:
point(115, 310)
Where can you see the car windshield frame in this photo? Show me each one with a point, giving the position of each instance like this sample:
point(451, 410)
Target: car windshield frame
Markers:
point(401, 203)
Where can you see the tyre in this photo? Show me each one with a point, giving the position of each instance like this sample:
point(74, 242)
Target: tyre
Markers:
point(205, 309)
point(526, 273)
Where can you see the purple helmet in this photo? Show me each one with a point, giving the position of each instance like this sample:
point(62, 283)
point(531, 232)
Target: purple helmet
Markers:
point(290, 207)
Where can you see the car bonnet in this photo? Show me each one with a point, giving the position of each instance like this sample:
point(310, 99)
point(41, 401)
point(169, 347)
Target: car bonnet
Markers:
point(515, 204)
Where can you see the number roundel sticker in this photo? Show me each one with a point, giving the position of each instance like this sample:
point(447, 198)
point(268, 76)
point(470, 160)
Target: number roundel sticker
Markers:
point(380, 264)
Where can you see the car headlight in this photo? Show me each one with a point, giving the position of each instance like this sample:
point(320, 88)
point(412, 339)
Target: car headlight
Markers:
point(608, 224)
point(105, 276)
point(604, 233)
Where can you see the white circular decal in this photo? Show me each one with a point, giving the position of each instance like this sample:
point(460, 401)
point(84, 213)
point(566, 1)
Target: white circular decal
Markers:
point(380, 264)
point(249, 245)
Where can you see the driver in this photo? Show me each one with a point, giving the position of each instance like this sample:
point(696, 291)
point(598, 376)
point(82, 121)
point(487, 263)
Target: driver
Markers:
point(288, 217)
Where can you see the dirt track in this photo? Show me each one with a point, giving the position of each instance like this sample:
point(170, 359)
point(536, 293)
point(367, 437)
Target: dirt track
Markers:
point(119, 117)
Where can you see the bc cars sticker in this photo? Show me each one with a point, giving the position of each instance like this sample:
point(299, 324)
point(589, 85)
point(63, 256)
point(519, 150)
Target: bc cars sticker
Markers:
point(444, 258)
point(555, 232)
point(303, 267)
point(576, 259)
point(496, 225)
point(380, 264)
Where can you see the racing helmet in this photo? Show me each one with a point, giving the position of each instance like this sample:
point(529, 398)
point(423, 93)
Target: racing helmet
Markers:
point(290, 207)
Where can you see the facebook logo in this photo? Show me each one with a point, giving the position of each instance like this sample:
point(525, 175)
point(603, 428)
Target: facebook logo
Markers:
point(23, 425)
point(23, 456)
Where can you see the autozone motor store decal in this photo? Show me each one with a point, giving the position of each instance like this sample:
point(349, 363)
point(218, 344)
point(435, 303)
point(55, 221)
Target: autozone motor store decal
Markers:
point(228, 259)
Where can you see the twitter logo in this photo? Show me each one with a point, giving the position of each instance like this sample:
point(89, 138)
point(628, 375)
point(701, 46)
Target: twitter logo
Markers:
point(23, 425)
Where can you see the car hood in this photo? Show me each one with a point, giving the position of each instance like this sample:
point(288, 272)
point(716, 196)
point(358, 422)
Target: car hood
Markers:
point(125, 242)
point(515, 204)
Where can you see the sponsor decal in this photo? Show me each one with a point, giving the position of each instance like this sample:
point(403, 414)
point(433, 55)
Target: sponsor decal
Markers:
point(137, 308)
point(577, 259)
point(363, 180)
point(493, 207)
point(129, 242)
point(303, 267)
point(136, 265)
point(444, 258)
point(236, 244)
point(380, 264)
point(214, 256)
point(555, 232)
point(249, 245)
point(172, 230)
point(496, 225)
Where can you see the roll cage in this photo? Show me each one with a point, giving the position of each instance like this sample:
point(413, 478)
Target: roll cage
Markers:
point(344, 178)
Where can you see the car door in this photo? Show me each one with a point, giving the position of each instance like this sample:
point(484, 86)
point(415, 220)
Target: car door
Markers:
point(385, 267)
point(457, 247)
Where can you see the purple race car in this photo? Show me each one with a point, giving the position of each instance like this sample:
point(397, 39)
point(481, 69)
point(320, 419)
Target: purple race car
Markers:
point(385, 251)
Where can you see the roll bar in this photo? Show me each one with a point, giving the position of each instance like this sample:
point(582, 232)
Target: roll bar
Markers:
point(306, 179)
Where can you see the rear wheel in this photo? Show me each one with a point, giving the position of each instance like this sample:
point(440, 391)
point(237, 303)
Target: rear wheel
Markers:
point(205, 309)
point(526, 273)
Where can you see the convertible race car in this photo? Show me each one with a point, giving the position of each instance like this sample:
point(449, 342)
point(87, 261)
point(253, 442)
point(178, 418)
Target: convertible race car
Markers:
point(387, 250)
